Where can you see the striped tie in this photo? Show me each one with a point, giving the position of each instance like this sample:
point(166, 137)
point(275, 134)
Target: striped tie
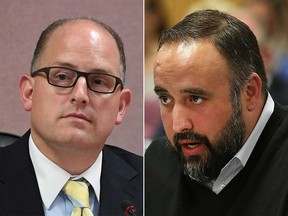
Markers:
point(78, 193)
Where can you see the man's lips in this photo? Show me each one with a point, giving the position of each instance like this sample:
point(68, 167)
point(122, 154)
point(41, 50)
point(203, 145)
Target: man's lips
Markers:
point(191, 147)
point(189, 142)
point(80, 116)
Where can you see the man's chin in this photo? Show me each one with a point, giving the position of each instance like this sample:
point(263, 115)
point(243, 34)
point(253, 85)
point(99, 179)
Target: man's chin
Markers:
point(197, 168)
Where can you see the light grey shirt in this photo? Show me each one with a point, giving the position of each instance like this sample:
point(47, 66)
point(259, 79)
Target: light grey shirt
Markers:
point(238, 162)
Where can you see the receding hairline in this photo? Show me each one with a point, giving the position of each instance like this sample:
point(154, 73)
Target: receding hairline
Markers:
point(73, 22)
point(99, 25)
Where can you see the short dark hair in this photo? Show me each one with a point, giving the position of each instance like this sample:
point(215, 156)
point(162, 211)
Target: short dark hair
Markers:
point(45, 35)
point(232, 38)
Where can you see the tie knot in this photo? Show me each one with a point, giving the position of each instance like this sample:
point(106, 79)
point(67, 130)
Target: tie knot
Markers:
point(78, 193)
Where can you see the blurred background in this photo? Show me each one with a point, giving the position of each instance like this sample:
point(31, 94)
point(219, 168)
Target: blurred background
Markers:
point(268, 19)
point(22, 21)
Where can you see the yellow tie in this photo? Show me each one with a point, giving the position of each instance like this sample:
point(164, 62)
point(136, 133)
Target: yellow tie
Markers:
point(78, 193)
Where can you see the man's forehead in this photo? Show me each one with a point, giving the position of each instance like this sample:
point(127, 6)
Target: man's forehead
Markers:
point(190, 68)
point(184, 48)
point(86, 32)
point(179, 45)
point(195, 55)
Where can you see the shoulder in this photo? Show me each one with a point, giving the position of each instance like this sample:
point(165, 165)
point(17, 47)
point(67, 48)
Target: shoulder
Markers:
point(159, 142)
point(116, 154)
point(162, 174)
point(16, 154)
point(161, 154)
point(122, 153)
point(277, 125)
point(159, 148)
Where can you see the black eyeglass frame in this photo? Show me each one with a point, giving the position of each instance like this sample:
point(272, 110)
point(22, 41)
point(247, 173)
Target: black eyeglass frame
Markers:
point(46, 70)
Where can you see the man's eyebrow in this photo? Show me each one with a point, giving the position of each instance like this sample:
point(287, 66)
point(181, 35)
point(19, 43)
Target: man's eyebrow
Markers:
point(64, 64)
point(159, 90)
point(74, 67)
point(196, 91)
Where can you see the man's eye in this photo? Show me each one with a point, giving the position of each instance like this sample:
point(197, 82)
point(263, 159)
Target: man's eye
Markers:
point(165, 100)
point(62, 76)
point(98, 82)
point(197, 100)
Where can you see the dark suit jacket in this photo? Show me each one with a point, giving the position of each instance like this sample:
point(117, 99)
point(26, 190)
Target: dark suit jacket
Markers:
point(121, 179)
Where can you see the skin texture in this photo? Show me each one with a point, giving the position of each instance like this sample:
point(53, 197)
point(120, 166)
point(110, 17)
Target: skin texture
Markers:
point(192, 82)
point(69, 125)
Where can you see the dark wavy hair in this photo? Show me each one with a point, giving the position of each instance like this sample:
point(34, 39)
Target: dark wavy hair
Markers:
point(232, 38)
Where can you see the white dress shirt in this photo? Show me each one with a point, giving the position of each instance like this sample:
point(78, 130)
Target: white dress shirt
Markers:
point(237, 163)
point(51, 179)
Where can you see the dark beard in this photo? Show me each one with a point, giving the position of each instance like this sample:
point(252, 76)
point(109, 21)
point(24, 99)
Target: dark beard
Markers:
point(220, 151)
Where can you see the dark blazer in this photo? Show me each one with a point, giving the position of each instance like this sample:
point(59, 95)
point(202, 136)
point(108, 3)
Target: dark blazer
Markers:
point(260, 189)
point(121, 179)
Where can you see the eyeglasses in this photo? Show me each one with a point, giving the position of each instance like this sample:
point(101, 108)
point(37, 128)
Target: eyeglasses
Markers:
point(66, 78)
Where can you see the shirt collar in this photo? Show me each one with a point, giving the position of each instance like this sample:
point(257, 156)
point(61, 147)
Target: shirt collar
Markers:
point(51, 178)
point(245, 152)
point(236, 164)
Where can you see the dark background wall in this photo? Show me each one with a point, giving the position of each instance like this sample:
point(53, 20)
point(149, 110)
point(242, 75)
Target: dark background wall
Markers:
point(22, 21)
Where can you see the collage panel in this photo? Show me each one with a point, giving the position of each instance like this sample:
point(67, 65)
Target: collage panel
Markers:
point(216, 107)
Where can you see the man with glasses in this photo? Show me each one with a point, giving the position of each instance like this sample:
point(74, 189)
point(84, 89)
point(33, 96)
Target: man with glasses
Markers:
point(76, 95)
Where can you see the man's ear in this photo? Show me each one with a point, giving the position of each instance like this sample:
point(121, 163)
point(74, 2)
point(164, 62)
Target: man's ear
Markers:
point(125, 100)
point(26, 91)
point(253, 92)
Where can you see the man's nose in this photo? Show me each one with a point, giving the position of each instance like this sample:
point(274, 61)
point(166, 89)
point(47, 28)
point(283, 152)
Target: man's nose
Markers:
point(182, 119)
point(80, 92)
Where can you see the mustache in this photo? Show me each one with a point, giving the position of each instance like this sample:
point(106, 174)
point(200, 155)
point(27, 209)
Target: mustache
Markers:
point(194, 137)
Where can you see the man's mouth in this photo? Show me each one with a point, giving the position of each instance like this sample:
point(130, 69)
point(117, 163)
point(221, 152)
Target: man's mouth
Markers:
point(190, 148)
point(79, 116)
point(192, 145)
